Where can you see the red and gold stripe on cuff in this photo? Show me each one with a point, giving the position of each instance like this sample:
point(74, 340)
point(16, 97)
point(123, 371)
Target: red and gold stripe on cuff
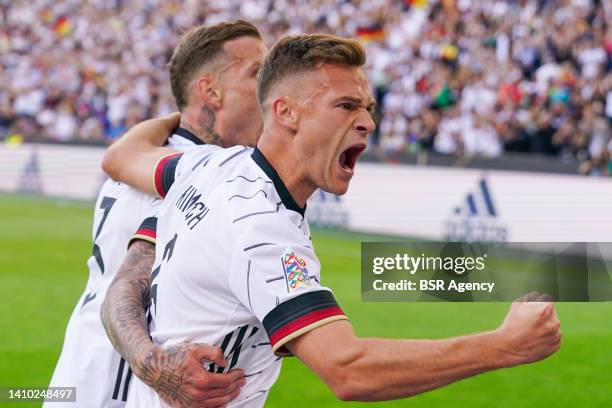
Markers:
point(164, 173)
point(146, 232)
point(300, 315)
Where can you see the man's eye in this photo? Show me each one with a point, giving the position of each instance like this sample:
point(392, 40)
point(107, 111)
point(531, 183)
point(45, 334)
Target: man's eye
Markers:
point(346, 106)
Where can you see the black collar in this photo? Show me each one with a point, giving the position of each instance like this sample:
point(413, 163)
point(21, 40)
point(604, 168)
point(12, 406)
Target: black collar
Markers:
point(284, 194)
point(188, 135)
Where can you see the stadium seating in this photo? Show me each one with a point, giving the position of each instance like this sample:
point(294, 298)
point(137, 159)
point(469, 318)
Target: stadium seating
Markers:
point(455, 77)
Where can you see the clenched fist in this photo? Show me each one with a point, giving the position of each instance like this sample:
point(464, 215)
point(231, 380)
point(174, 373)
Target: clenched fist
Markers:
point(530, 332)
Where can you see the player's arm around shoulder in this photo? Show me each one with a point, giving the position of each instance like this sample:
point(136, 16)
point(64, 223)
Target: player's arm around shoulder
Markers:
point(133, 158)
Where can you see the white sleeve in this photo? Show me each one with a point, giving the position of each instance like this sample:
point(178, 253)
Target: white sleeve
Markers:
point(276, 274)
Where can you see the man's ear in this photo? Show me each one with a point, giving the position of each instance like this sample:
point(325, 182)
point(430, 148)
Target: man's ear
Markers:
point(208, 91)
point(284, 112)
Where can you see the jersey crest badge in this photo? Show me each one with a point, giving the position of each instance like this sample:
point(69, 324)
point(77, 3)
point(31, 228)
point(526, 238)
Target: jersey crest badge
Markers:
point(296, 270)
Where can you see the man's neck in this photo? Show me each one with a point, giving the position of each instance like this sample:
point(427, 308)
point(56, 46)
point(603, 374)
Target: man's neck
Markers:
point(201, 122)
point(283, 161)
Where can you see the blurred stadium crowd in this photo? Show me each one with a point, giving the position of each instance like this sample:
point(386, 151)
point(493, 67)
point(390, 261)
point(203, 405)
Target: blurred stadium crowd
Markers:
point(469, 77)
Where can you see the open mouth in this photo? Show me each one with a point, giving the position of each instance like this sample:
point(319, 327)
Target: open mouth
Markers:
point(348, 158)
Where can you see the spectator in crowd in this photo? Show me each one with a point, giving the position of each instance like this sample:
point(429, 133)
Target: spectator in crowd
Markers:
point(454, 76)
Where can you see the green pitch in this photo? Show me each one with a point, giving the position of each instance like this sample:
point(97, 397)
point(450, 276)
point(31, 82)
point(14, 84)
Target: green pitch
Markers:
point(44, 246)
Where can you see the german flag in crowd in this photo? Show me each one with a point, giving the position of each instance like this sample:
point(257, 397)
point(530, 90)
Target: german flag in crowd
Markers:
point(62, 26)
point(416, 3)
point(371, 33)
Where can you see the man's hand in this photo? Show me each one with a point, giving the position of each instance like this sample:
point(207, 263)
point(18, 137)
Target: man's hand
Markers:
point(531, 331)
point(179, 378)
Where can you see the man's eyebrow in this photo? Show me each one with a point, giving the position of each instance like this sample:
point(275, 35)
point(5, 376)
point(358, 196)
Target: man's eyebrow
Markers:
point(370, 105)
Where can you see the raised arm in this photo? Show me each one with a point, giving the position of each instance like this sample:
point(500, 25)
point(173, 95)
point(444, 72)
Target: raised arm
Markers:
point(373, 369)
point(132, 158)
point(184, 382)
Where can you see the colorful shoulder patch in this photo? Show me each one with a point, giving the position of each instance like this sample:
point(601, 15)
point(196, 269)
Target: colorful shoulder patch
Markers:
point(296, 270)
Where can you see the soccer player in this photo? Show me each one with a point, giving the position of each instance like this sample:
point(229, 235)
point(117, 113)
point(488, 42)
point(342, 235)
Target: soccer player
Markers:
point(212, 75)
point(235, 266)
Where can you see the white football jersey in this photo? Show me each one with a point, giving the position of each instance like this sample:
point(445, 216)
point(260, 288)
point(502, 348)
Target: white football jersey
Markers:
point(88, 360)
point(234, 267)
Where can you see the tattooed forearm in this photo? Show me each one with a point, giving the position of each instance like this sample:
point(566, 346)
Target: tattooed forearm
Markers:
point(205, 128)
point(171, 372)
point(123, 310)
